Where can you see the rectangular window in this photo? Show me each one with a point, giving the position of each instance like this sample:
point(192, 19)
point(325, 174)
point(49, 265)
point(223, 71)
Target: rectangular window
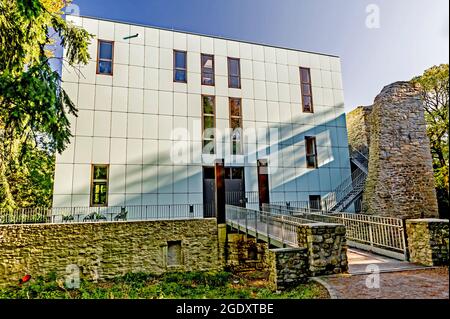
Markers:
point(311, 152)
point(179, 66)
point(236, 125)
point(209, 124)
point(105, 57)
point(315, 202)
point(99, 187)
point(207, 69)
point(234, 73)
point(305, 82)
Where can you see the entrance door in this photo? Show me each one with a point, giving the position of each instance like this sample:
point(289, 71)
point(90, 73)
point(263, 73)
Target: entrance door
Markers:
point(234, 189)
point(208, 192)
point(235, 186)
point(263, 183)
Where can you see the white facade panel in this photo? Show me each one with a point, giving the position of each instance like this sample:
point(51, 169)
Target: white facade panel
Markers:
point(127, 120)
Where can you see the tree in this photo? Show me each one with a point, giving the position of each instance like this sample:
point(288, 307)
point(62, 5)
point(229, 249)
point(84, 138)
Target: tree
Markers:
point(33, 105)
point(434, 86)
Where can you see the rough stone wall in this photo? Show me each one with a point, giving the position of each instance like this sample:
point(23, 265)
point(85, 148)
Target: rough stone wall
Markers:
point(358, 128)
point(428, 241)
point(239, 248)
point(327, 248)
point(106, 250)
point(289, 267)
point(400, 181)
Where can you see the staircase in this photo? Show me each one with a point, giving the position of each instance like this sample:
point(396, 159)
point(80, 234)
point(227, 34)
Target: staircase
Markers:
point(360, 160)
point(350, 189)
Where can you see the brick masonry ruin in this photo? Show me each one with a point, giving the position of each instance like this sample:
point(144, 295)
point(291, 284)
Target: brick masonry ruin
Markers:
point(392, 131)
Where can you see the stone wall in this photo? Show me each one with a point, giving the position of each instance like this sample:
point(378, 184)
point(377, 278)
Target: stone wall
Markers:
point(400, 182)
point(246, 253)
point(327, 248)
point(288, 267)
point(358, 128)
point(107, 250)
point(428, 241)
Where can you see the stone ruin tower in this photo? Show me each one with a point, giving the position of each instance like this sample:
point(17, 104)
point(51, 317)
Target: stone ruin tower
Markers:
point(400, 181)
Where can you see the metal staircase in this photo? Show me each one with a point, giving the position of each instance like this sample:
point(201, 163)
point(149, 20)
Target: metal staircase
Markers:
point(360, 160)
point(350, 189)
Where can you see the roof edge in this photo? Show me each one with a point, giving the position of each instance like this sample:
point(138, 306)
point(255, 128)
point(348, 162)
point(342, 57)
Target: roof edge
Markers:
point(201, 34)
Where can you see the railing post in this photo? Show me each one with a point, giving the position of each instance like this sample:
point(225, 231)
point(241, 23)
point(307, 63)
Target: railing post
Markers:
point(246, 222)
point(256, 226)
point(404, 239)
point(282, 230)
point(370, 234)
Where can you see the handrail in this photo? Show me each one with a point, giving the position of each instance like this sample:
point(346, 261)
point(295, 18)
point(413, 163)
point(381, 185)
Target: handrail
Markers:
point(360, 154)
point(102, 214)
point(354, 182)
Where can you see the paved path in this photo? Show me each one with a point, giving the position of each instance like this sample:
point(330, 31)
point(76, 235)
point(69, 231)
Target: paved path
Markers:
point(397, 280)
point(359, 261)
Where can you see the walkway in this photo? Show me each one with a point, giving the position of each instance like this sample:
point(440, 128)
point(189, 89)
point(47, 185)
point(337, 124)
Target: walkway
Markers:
point(359, 260)
point(397, 279)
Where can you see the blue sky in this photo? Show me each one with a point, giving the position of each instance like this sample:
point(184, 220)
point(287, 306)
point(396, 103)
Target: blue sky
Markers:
point(413, 34)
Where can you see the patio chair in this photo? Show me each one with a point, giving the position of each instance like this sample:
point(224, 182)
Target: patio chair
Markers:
point(94, 216)
point(122, 215)
point(67, 218)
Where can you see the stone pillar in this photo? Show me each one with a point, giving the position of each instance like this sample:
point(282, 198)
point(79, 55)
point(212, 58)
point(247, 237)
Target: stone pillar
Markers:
point(428, 241)
point(400, 181)
point(327, 247)
point(288, 267)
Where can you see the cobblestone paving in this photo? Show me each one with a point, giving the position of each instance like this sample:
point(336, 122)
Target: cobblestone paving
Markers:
point(411, 284)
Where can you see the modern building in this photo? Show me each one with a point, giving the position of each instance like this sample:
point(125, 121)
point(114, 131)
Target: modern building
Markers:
point(148, 94)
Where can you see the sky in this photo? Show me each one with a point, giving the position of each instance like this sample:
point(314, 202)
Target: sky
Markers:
point(379, 41)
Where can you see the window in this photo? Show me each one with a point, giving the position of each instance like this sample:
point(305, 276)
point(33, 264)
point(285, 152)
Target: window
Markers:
point(311, 152)
point(234, 73)
point(315, 202)
point(234, 173)
point(305, 80)
point(207, 69)
point(179, 66)
point(99, 188)
point(236, 125)
point(105, 57)
point(209, 124)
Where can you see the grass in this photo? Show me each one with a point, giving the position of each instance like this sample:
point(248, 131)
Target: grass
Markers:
point(194, 285)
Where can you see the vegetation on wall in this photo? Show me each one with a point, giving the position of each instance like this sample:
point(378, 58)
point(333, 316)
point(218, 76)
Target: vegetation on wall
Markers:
point(34, 108)
point(434, 85)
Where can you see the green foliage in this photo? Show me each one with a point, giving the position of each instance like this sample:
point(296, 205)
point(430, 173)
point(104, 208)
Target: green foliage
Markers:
point(33, 105)
point(434, 86)
point(193, 285)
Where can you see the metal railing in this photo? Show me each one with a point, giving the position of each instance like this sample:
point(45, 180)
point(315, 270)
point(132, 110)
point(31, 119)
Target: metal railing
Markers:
point(293, 204)
point(102, 214)
point(241, 198)
point(345, 192)
point(277, 229)
point(383, 235)
point(359, 159)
